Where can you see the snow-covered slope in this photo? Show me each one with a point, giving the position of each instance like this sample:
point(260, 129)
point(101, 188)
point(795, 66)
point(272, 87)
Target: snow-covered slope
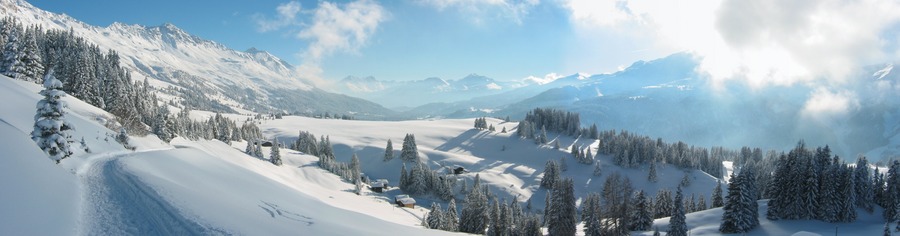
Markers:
point(668, 98)
point(251, 79)
point(510, 166)
point(707, 223)
point(204, 187)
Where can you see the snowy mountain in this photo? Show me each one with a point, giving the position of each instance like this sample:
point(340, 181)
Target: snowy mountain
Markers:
point(396, 94)
point(668, 98)
point(171, 57)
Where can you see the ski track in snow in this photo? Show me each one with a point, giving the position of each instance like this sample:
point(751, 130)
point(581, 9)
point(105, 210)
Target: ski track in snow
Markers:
point(118, 203)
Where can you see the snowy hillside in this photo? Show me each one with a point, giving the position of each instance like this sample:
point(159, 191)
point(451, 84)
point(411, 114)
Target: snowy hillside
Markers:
point(668, 98)
point(241, 80)
point(163, 189)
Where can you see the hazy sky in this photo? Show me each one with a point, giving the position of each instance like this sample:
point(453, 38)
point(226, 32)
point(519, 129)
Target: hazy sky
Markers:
point(761, 42)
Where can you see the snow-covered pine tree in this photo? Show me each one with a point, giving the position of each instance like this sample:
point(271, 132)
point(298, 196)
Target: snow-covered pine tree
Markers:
point(356, 174)
point(863, 184)
point(597, 170)
point(275, 154)
point(450, 218)
point(641, 218)
point(551, 175)
point(701, 203)
point(474, 216)
point(257, 152)
point(892, 192)
point(717, 200)
point(250, 149)
point(563, 164)
point(563, 213)
point(503, 130)
point(663, 207)
point(12, 65)
point(887, 228)
point(591, 214)
point(496, 227)
point(685, 180)
point(651, 175)
point(388, 151)
point(733, 221)
point(750, 195)
point(410, 152)
point(435, 217)
point(677, 224)
point(31, 59)
point(404, 177)
point(51, 129)
point(616, 197)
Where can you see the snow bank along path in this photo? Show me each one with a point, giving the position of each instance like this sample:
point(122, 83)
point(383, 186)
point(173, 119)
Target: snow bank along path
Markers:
point(118, 203)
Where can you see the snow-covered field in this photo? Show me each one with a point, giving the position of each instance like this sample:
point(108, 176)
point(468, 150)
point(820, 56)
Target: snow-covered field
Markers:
point(208, 187)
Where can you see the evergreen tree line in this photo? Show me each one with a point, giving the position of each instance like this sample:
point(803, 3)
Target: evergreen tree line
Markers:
point(482, 216)
point(631, 150)
point(218, 127)
point(541, 120)
point(813, 184)
point(420, 180)
point(85, 71)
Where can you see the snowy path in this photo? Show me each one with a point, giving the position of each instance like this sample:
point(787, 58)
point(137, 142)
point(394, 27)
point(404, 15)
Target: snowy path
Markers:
point(117, 203)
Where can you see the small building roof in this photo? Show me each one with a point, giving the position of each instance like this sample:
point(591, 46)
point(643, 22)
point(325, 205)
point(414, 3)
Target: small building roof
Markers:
point(401, 196)
point(408, 200)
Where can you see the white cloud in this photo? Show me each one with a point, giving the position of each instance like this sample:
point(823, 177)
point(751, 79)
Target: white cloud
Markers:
point(329, 28)
point(762, 42)
point(345, 27)
point(287, 15)
point(824, 105)
point(478, 10)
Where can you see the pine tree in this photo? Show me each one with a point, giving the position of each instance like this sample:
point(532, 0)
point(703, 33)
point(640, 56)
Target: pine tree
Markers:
point(409, 152)
point(551, 175)
point(863, 184)
point(275, 154)
point(563, 164)
point(562, 215)
point(450, 218)
point(641, 218)
point(356, 174)
point(701, 203)
point(257, 152)
point(685, 180)
point(12, 64)
point(717, 196)
point(651, 176)
point(249, 150)
point(663, 207)
point(677, 224)
point(51, 129)
point(474, 216)
point(31, 59)
point(435, 217)
point(887, 228)
point(597, 170)
point(404, 177)
point(732, 219)
point(388, 151)
point(496, 226)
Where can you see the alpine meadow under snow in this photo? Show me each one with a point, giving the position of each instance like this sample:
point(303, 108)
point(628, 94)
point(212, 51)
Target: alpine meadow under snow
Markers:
point(149, 130)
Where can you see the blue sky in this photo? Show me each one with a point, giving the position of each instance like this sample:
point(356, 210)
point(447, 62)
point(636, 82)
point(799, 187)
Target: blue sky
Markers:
point(414, 40)
point(762, 43)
